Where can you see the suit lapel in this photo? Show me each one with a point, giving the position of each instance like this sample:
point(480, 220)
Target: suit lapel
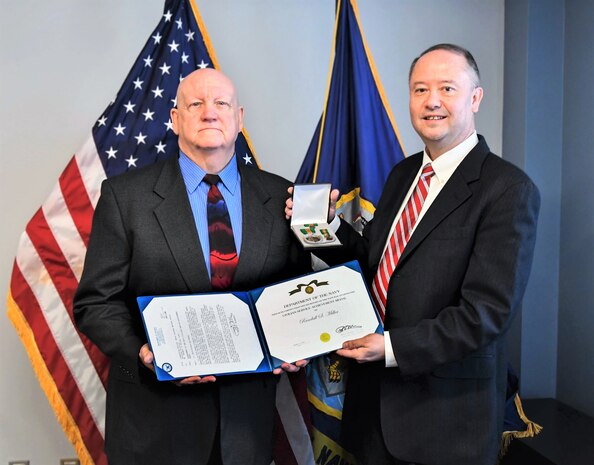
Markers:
point(175, 217)
point(257, 227)
point(453, 194)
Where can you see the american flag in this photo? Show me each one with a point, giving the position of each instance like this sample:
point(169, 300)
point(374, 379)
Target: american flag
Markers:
point(133, 131)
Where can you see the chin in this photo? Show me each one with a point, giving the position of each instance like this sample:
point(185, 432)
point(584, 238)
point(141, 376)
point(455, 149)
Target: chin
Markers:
point(432, 136)
point(209, 144)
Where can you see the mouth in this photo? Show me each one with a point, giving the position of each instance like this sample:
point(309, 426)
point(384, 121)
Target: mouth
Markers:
point(433, 118)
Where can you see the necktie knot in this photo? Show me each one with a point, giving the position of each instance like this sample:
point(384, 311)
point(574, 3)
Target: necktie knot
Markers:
point(427, 171)
point(211, 179)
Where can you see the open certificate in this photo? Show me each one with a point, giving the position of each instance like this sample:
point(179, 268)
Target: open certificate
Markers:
point(245, 332)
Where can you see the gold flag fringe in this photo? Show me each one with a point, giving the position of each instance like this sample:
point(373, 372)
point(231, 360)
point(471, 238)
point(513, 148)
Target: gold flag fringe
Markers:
point(532, 429)
point(46, 381)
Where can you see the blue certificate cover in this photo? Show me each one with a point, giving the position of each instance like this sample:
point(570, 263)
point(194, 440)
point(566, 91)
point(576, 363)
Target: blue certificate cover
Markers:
point(257, 331)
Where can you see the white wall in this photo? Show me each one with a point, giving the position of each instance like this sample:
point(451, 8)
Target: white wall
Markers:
point(61, 61)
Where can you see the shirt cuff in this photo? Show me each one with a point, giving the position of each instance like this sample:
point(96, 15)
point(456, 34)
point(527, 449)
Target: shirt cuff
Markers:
point(390, 357)
point(335, 224)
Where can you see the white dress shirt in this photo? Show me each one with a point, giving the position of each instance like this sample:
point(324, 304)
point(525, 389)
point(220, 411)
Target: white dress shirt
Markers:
point(443, 166)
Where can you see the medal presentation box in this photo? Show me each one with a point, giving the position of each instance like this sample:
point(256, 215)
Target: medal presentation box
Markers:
point(257, 331)
point(310, 216)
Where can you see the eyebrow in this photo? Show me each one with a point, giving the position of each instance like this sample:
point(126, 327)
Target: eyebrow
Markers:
point(443, 81)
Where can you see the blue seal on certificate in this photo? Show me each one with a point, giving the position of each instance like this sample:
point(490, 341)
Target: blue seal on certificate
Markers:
point(166, 367)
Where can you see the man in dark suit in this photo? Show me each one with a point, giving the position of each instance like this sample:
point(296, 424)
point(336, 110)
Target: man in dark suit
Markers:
point(150, 236)
point(449, 273)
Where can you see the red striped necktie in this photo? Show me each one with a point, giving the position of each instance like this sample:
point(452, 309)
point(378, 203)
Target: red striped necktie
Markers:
point(399, 239)
point(223, 254)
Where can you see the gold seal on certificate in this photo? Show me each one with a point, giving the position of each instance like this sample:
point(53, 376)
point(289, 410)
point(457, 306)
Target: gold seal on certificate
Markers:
point(310, 214)
point(257, 331)
point(325, 337)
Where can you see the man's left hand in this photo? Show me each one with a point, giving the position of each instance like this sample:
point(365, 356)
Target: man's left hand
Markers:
point(290, 367)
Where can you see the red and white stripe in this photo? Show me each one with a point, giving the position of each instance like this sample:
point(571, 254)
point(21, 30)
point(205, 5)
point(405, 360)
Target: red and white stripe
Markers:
point(46, 272)
point(399, 238)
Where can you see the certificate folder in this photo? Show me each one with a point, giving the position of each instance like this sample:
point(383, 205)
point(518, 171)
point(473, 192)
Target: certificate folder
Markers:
point(257, 331)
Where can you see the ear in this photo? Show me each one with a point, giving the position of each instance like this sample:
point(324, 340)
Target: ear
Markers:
point(240, 118)
point(477, 97)
point(174, 114)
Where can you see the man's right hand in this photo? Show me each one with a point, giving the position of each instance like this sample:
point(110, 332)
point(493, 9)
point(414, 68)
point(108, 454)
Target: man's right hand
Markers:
point(331, 208)
point(146, 357)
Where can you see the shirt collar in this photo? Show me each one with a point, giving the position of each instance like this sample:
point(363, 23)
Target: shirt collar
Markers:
point(445, 165)
point(193, 174)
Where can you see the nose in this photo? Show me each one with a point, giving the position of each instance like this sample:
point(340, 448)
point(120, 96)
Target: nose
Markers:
point(208, 112)
point(433, 100)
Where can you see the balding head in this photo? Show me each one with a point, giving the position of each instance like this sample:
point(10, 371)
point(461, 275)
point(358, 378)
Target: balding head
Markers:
point(207, 119)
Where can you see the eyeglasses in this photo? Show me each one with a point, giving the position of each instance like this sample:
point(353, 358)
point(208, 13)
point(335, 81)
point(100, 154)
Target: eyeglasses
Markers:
point(220, 106)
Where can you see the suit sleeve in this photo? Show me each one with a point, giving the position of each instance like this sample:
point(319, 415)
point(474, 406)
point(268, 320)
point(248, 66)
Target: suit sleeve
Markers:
point(102, 307)
point(354, 247)
point(491, 292)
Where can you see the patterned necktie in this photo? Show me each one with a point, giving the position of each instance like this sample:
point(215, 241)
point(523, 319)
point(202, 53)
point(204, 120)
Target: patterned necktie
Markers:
point(223, 254)
point(399, 238)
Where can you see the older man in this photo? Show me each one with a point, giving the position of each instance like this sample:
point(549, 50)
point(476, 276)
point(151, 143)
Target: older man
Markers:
point(153, 233)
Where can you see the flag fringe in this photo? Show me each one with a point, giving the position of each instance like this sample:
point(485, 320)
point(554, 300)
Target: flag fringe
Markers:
point(532, 429)
point(46, 381)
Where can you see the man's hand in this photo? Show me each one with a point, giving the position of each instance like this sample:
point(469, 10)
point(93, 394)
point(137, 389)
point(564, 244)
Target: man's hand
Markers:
point(368, 348)
point(146, 357)
point(331, 208)
point(334, 195)
point(291, 367)
point(195, 380)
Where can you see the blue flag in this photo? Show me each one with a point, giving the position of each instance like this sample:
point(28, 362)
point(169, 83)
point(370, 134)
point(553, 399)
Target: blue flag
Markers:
point(354, 147)
point(356, 142)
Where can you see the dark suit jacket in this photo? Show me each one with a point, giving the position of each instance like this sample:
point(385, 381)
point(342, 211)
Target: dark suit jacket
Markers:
point(453, 294)
point(144, 242)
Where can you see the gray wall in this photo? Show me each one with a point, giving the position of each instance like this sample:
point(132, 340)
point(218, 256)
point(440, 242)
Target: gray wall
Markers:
point(533, 115)
point(575, 369)
point(548, 74)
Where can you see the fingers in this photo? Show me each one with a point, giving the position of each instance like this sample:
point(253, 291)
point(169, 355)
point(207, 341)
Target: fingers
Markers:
point(334, 195)
point(290, 367)
point(146, 357)
point(196, 380)
point(365, 349)
point(289, 209)
point(354, 343)
point(289, 204)
point(301, 363)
